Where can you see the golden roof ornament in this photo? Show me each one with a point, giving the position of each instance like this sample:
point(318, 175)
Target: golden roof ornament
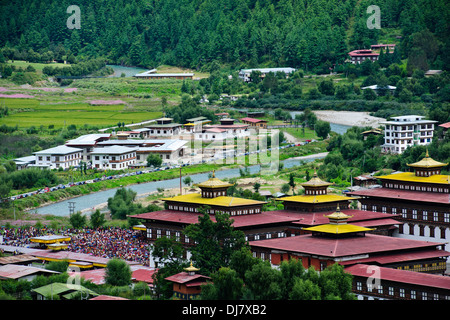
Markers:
point(316, 181)
point(427, 162)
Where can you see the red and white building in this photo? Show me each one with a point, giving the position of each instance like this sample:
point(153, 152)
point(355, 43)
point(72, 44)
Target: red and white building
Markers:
point(358, 56)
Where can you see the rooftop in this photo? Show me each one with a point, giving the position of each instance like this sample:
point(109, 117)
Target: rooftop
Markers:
point(346, 246)
point(404, 195)
point(267, 70)
point(88, 139)
point(404, 276)
point(113, 150)
point(411, 177)
point(242, 221)
point(322, 198)
point(14, 271)
point(59, 150)
point(316, 182)
point(253, 120)
point(427, 162)
point(213, 182)
point(222, 201)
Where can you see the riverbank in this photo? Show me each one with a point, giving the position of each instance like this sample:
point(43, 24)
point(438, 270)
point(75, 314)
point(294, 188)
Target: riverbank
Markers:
point(349, 118)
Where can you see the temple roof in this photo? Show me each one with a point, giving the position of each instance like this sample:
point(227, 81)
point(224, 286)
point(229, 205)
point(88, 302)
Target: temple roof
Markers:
point(427, 162)
point(316, 182)
point(337, 224)
point(222, 201)
point(213, 182)
point(321, 198)
point(338, 215)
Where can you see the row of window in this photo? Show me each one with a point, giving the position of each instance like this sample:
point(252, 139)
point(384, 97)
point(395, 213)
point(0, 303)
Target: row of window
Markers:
point(398, 128)
point(213, 211)
point(401, 292)
point(423, 231)
point(418, 188)
point(413, 213)
point(61, 158)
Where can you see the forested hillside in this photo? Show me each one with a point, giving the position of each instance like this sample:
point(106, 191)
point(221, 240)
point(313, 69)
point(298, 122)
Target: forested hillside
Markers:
point(305, 34)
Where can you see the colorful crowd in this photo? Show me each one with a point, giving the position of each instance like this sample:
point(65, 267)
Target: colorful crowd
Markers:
point(126, 244)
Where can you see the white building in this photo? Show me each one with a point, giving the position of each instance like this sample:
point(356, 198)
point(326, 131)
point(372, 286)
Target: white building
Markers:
point(58, 157)
point(169, 150)
point(245, 74)
point(113, 157)
point(87, 143)
point(404, 131)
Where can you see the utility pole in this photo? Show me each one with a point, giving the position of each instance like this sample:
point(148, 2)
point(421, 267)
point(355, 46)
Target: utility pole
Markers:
point(71, 207)
point(181, 190)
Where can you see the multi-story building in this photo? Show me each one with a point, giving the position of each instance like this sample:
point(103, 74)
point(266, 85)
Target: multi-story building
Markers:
point(404, 131)
point(58, 157)
point(245, 74)
point(358, 56)
point(113, 157)
point(422, 198)
point(87, 143)
point(381, 283)
point(347, 244)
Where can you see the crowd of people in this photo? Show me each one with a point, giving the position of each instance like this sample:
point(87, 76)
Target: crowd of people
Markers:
point(112, 242)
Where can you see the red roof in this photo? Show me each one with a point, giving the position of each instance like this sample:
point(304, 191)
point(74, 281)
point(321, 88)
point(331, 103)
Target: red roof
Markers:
point(404, 276)
point(363, 53)
point(253, 120)
point(239, 221)
point(138, 273)
point(403, 195)
point(340, 247)
point(400, 257)
point(184, 277)
point(445, 125)
point(105, 297)
point(358, 217)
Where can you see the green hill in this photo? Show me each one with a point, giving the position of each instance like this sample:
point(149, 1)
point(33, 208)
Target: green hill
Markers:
point(306, 34)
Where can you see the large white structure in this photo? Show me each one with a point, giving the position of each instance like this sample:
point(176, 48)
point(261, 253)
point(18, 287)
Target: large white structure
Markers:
point(404, 131)
point(87, 143)
point(244, 74)
point(58, 157)
point(113, 157)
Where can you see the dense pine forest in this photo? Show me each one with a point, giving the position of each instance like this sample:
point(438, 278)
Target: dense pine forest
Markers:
point(306, 34)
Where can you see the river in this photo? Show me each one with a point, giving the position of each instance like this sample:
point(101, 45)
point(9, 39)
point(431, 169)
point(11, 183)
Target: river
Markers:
point(85, 203)
point(128, 71)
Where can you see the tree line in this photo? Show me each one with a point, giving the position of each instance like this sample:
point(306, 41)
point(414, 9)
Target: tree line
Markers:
point(304, 34)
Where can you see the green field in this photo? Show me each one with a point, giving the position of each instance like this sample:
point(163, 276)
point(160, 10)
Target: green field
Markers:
point(31, 112)
point(37, 66)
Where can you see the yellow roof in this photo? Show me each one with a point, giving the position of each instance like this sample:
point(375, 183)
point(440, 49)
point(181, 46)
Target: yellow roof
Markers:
point(316, 198)
point(191, 268)
point(222, 201)
point(427, 162)
point(338, 215)
point(316, 182)
point(411, 177)
point(50, 239)
point(337, 228)
point(213, 183)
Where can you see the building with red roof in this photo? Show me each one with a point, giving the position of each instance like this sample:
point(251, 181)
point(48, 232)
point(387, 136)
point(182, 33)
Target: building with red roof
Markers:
point(301, 211)
point(187, 285)
point(421, 197)
point(380, 283)
point(349, 244)
point(255, 123)
point(358, 56)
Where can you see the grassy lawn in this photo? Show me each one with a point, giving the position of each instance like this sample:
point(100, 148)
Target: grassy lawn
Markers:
point(171, 69)
point(298, 133)
point(37, 66)
point(64, 114)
